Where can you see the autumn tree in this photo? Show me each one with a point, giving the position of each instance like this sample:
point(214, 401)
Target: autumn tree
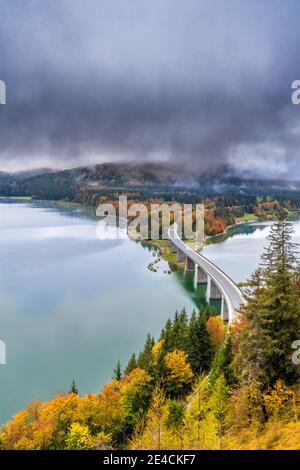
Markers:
point(279, 399)
point(136, 392)
point(219, 405)
point(79, 437)
point(159, 352)
point(89, 412)
point(155, 422)
point(217, 330)
point(197, 411)
point(179, 374)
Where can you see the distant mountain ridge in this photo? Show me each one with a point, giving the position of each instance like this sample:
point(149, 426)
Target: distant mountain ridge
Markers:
point(52, 184)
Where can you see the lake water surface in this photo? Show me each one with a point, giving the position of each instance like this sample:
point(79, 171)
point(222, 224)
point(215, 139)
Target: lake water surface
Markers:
point(71, 305)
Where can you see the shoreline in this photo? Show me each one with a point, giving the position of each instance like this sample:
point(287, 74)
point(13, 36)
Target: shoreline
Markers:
point(165, 251)
point(161, 245)
point(208, 237)
point(250, 221)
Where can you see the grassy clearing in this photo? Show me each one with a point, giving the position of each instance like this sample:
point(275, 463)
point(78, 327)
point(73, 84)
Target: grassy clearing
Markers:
point(246, 218)
point(166, 253)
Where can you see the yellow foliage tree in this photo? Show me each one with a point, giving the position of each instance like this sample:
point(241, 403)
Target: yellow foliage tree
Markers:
point(279, 399)
point(79, 437)
point(70, 420)
point(154, 433)
point(179, 372)
point(156, 350)
point(199, 432)
point(155, 422)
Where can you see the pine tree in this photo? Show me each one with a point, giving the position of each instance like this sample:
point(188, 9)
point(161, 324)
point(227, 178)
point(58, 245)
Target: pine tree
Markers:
point(132, 364)
point(248, 361)
point(144, 360)
point(199, 347)
point(272, 313)
point(117, 375)
point(175, 414)
point(179, 331)
point(74, 388)
point(209, 311)
point(222, 363)
point(167, 336)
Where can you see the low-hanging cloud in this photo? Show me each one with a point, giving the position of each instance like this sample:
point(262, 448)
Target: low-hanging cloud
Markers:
point(198, 83)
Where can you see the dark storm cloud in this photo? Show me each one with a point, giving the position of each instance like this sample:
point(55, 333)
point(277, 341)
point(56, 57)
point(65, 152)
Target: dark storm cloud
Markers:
point(199, 82)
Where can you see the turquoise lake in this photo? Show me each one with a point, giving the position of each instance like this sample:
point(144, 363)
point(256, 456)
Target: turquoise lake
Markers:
point(72, 305)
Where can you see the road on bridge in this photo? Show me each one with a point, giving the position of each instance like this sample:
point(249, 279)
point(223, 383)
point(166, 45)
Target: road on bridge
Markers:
point(232, 294)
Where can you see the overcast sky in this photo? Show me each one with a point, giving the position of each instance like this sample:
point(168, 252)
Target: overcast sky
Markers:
point(198, 82)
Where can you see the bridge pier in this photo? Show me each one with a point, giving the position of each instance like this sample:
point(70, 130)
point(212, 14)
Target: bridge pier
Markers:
point(224, 309)
point(180, 255)
point(189, 264)
point(173, 247)
point(202, 277)
point(215, 292)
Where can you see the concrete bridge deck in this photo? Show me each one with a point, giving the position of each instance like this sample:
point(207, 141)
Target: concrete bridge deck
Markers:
point(231, 295)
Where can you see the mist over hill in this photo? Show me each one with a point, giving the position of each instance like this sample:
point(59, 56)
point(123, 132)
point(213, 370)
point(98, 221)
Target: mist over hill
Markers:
point(72, 183)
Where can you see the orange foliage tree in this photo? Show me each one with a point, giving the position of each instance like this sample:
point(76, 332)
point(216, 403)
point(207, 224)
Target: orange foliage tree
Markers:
point(217, 330)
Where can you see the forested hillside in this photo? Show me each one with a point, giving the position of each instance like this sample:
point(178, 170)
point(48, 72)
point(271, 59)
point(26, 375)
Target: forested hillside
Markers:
point(227, 198)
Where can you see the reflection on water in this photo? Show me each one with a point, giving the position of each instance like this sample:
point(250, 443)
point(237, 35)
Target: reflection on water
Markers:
point(196, 292)
point(187, 281)
point(240, 229)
